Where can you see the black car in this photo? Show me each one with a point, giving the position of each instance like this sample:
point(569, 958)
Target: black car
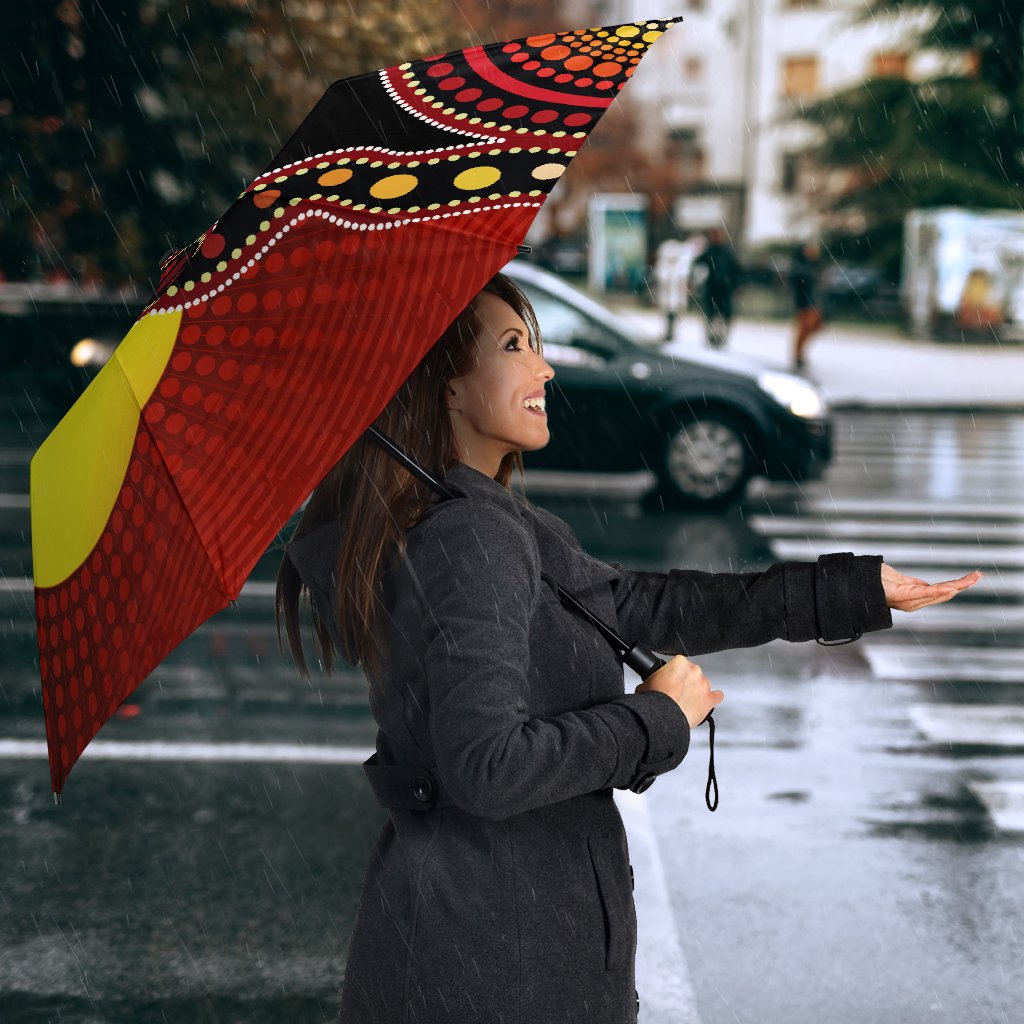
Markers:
point(703, 424)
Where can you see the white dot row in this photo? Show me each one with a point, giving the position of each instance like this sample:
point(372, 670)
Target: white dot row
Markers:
point(423, 117)
point(333, 219)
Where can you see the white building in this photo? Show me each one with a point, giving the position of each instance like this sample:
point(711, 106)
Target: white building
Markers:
point(726, 79)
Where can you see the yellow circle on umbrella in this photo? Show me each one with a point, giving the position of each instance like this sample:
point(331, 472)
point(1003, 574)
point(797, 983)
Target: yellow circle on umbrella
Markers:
point(336, 177)
point(627, 30)
point(547, 171)
point(393, 186)
point(77, 473)
point(477, 178)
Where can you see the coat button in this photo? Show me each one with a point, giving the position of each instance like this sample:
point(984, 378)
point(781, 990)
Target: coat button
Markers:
point(423, 789)
point(643, 783)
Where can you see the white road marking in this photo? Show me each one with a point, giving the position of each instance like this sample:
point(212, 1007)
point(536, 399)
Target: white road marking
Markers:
point(971, 556)
point(971, 725)
point(912, 507)
point(662, 975)
point(950, 617)
point(1004, 802)
point(115, 750)
point(906, 529)
point(953, 664)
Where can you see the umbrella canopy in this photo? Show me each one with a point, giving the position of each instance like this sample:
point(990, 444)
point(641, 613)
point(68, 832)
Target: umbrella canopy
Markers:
point(277, 337)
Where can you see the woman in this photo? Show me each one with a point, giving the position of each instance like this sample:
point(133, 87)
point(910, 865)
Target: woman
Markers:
point(500, 886)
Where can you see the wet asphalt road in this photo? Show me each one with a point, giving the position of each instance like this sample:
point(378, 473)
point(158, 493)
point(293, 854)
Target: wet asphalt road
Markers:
point(852, 872)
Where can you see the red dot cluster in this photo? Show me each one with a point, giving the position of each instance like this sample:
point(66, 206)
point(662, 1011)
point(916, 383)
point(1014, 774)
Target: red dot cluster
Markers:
point(259, 398)
point(106, 627)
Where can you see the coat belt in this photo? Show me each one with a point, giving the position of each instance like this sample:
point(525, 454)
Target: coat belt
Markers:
point(407, 787)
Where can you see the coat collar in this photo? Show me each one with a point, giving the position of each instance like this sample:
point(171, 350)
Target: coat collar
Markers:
point(474, 484)
point(315, 555)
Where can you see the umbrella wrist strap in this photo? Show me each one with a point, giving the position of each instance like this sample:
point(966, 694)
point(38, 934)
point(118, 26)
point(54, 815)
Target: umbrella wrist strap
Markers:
point(712, 779)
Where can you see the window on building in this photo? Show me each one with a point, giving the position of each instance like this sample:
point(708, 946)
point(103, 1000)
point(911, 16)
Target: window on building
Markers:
point(693, 69)
point(688, 152)
point(800, 76)
point(790, 172)
point(889, 64)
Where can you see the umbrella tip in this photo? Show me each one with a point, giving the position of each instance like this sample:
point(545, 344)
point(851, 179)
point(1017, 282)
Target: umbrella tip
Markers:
point(234, 604)
point(524, 249)
point(56, 799)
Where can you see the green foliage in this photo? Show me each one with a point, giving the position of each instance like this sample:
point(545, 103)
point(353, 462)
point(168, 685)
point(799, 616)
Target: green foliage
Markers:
point(120, 122)
point(130, 126)
point(953, 139)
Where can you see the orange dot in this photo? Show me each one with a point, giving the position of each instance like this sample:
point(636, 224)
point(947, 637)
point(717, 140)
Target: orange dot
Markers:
point(578, 63)
point(540, 40)
point(555, 52)
point(606, 70)
point(338, 177)
point(266, 198)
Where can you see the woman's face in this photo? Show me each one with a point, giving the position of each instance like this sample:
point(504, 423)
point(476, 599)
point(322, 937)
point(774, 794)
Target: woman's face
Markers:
point(488, 416)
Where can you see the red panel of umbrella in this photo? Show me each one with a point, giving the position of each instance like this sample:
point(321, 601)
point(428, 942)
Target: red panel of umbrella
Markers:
point(276, 338)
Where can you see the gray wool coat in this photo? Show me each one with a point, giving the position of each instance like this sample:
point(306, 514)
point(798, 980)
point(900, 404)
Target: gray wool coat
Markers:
point(500, 889)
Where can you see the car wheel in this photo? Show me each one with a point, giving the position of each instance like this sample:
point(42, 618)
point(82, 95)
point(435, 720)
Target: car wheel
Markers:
point(705, 461)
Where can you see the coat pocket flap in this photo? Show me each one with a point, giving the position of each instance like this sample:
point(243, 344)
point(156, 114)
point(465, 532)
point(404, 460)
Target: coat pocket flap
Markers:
point(606, 856)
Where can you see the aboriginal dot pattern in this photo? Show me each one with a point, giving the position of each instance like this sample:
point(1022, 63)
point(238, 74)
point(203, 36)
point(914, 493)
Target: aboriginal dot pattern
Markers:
point(325, 283)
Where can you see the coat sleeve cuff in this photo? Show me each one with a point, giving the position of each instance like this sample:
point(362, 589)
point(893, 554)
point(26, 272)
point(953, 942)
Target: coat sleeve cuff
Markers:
point(849, 597)
point(668, 735)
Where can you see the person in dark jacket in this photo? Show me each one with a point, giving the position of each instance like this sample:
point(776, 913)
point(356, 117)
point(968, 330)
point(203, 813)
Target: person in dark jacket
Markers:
point(500, 889)
point(721, 273)
point(803, 281)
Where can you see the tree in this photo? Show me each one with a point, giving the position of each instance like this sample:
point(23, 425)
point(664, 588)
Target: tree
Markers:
point(131, 125)
point(956, 138)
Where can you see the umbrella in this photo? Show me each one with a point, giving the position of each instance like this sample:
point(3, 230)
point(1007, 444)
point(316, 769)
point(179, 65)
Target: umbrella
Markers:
point(277, 337)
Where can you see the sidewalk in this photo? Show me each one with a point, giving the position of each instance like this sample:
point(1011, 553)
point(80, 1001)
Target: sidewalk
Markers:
point(862, 365)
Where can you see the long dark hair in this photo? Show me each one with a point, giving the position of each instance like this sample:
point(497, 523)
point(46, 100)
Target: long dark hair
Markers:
point(375, 499)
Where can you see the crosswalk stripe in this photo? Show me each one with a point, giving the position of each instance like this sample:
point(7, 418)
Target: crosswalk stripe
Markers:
point(970, 556)
point(913, 507)
point(989, 725)
point(1004, 802)
point(662, 974)
point(960, 618)
point(114, 750)
point(948, 663)
point(951, 529)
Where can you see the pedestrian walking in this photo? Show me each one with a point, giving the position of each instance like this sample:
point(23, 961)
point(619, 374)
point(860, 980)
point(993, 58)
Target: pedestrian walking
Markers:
point(721, 272)
point(500, 887)
point(672, 266)
point(803, 281)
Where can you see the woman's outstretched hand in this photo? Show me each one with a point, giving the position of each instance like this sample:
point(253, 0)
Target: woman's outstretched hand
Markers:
point(908, 593)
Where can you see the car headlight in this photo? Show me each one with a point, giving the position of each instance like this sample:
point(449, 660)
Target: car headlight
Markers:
point(90, 352)
point(799, 397)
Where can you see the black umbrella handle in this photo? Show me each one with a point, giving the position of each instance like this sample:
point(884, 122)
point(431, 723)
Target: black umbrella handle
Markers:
point(645, 663)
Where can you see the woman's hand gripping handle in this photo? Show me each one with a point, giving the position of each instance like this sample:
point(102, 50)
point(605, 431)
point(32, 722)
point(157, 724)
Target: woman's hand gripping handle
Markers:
point(687, 685)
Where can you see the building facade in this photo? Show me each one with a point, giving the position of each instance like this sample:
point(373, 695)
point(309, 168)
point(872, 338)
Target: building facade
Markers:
point(723, 86)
